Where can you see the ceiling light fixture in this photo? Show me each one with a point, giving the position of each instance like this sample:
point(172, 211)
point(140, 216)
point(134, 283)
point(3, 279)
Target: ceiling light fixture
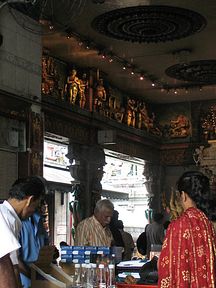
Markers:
point(141, 77)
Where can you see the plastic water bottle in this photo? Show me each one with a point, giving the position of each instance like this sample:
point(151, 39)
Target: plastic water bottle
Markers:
point(94, 275)
point(111, 276)
point(88, 276)
point(83, 275)
point(101, 276)
point(77, 276)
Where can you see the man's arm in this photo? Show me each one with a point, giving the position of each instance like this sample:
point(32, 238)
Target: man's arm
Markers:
point(24, 269)
point(8, 277)
point(17, 274)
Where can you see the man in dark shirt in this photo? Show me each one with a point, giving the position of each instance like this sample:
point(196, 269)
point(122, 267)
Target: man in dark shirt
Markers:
point(118, 241)
point(155, 232)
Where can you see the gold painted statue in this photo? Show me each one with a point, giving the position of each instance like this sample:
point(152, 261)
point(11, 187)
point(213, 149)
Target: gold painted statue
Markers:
point(82, 90)
point(131, 112)
point(100, 96)
point(73, 86)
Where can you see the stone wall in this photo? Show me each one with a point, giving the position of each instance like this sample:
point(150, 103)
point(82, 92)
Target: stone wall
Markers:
point(20, 58)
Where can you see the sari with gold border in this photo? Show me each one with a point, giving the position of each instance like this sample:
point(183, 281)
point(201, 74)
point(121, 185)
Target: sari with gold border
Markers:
point(188, 256)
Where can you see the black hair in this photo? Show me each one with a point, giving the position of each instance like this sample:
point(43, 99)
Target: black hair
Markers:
point(197, 187)
point(63, 243)
point(166, 224)
point(158, 217)
point(120, 224)
point(31, 186)
point(212, 214)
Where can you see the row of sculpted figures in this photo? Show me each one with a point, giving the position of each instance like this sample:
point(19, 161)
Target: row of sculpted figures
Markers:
point(94, 94)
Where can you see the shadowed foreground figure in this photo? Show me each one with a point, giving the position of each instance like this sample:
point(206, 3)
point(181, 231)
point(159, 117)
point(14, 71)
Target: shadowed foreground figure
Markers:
point(24, 197)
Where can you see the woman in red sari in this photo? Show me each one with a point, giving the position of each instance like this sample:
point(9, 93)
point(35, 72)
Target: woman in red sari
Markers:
point(188, 256)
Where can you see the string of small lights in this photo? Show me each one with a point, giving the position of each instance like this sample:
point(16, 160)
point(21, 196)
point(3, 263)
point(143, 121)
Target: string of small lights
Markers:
point(132, 69)
point(110, 56)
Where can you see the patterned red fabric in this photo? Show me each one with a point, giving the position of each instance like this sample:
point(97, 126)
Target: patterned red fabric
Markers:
point(188, 256)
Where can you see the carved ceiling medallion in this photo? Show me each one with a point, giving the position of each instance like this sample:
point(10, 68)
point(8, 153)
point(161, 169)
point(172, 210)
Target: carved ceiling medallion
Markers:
point(203, 71)
point(149, 23)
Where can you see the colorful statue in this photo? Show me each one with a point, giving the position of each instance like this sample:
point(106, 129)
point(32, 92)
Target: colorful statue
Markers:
point(179, 127)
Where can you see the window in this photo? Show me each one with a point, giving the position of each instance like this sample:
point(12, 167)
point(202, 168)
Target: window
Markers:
point(56, 163)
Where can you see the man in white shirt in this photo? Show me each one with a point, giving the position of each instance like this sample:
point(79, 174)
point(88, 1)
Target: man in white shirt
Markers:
point(24, 197)
point(9, 244)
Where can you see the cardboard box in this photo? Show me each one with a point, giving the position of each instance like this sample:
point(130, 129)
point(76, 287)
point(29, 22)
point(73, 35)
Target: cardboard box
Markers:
point(44, 274)
point(68, 268)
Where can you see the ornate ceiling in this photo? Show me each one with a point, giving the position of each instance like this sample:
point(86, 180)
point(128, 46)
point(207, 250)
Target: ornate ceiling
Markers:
point(149, 23)
point(140, 36)
point(202, 72)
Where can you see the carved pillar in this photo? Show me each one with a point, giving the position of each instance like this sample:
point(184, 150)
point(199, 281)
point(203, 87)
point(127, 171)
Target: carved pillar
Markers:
point(152, 172)
point(31, 160)
point(36, 136)
point(87, 170)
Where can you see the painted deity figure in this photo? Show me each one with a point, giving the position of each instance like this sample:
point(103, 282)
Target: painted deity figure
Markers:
point(100, 96)
point(131, 112)
point(119, 114)
point(73, 86)
point(180, 127)
point(144, 120)
point(82, 90)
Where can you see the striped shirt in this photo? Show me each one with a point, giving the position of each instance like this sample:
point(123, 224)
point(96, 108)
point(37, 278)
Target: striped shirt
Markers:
point(90, 232)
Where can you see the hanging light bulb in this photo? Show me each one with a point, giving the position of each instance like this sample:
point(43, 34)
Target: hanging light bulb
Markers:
point(141, 77)
point(125, 65)
point(110, 56)
point(132, 69)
